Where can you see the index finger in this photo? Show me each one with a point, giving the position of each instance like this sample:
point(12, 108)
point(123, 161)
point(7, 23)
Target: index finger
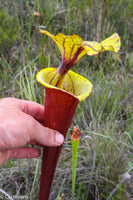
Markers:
point(32, 108)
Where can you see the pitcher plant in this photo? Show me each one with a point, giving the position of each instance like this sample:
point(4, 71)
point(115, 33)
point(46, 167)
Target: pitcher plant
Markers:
point(64, 89)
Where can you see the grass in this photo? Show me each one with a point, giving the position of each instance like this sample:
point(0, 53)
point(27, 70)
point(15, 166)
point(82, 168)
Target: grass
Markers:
point(105, 118)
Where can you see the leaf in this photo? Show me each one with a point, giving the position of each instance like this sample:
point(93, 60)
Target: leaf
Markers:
point(92, 48)
point(35, 13)
point(110, 44)
point(72, 48)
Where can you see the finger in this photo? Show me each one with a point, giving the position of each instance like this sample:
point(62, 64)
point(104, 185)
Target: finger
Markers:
point(45, 136)
point(31, 108)
point(34, 109)
point(3, 156)
point(24, 152)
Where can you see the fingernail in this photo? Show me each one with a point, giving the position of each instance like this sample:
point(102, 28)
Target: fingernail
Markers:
point(59, 138)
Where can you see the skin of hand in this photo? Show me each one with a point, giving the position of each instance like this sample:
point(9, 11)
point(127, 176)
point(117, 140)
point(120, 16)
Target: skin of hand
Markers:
point(21, 124)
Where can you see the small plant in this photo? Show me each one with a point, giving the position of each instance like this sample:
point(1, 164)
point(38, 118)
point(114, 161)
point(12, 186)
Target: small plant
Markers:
point(75, 143)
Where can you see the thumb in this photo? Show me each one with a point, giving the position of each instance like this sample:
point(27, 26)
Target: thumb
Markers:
point(46, 136)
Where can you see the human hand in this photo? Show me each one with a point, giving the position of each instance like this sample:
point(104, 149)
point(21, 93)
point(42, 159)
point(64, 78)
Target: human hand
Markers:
point(21, 124)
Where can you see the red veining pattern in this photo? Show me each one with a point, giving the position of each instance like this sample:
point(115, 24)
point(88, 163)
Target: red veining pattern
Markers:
point(91, 47)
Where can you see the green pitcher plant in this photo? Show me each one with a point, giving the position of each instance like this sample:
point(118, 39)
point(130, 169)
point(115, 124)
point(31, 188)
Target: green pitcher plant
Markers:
point(75, 143)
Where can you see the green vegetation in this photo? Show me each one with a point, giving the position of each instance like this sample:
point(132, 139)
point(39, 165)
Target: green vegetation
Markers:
point(9, 28)
point(106, 118)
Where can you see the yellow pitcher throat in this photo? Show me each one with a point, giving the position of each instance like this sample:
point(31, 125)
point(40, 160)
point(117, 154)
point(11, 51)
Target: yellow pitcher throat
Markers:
point(72, 82)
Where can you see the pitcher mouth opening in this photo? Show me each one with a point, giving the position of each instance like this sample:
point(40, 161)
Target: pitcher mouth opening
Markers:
point(72, 82)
